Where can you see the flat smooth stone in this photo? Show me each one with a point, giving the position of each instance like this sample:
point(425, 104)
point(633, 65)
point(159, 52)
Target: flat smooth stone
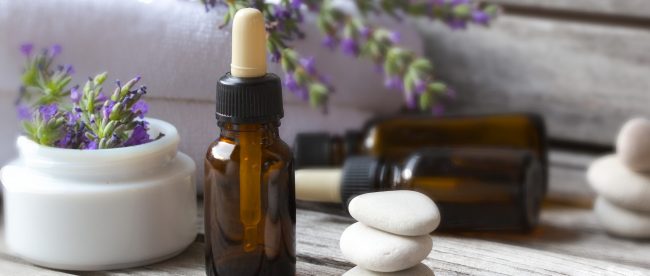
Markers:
point(621, 222)
point(618, 184)
point(633, 144)
point(380, 251)
point(401, 212)
point(418, 270)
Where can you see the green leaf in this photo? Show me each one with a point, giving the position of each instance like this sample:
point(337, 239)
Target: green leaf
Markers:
point(462, 11)
point(99, 79)
point(317, 94)
point(437, 87)
point(426, 101)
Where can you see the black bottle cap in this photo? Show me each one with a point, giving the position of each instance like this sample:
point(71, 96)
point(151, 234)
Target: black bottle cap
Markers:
point(352, 141)
point(249, 100)
point(360, 175)
point(317, 149)
point(312, 150)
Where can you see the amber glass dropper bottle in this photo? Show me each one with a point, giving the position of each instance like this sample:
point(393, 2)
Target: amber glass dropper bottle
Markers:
point(475, 189)
point(249, 196)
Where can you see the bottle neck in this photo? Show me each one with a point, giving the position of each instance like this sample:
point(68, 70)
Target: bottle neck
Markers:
point(389, 177)
point(269, 130)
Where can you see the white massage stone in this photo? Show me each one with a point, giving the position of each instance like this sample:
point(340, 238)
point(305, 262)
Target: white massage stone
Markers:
point(418, 270)
point(620, 185)
point(380, 251)
point(402, 212)
point(621, 222)
point(633, 144)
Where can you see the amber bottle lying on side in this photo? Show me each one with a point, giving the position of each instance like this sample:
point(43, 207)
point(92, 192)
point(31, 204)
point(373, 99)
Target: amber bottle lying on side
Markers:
point(394, 138)
point(475, 189)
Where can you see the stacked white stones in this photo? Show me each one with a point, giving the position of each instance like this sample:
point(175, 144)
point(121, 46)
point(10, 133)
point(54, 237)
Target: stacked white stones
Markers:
point(392, 233)
point(622, 181)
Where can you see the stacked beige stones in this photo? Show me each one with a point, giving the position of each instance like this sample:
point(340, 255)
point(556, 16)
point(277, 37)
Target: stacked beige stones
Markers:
point(392, 235)
point(622, 181)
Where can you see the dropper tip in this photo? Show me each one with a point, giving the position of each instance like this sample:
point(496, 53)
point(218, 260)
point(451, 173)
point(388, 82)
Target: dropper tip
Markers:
point(248, 44)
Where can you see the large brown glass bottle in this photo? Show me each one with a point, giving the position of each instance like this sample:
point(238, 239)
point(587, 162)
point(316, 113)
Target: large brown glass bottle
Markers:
point(395, 138)
point(231, 249)
point(475, 189)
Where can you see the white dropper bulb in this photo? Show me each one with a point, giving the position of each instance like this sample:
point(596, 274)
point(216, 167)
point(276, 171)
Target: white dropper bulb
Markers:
point(248, 44)
point(319, 185)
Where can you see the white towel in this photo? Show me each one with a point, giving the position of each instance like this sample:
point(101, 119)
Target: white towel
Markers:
point(180, 52)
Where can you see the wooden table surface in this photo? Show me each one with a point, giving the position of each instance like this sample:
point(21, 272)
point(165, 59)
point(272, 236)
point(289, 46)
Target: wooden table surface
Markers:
point(569, 241)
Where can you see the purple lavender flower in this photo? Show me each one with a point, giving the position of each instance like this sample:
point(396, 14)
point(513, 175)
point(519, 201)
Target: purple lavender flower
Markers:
point(394, 82)
point(75, 94)
point(69, 69)
point(106, 110)
point(480, 17)
point(290, 82)
point(309, 64)
point(296, 4)
point(330, 42)
point(395, 37)
point(420, 87)
point(365, 32)
point(48, 111)
point(411, 101)
point(140, 108)
point(281, 14)
point(138, 136)
point(26, 49)
point(350, 47)
point(459, 2)
point(65, 141)
point(101, 97)
point(275, 56)
point(302, 94)
point(24, 113)
point(73, 117)
point(91, 145)
point(55, 50)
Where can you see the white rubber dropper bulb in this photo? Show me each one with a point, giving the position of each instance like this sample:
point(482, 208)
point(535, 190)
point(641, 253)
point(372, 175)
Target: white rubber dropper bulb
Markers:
point(248, 44)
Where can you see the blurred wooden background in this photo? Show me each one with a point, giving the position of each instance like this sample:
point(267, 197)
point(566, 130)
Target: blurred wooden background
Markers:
point(583, 64)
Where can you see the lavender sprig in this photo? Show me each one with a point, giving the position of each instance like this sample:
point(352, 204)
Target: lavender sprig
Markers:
point(403, 69)
point(47, 125)
point(113, 123)
point(85, 120)
point(42, 84)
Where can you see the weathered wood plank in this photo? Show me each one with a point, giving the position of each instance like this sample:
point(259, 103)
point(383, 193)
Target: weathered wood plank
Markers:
point(569, 242)
point(633, 8)
point(585, 79)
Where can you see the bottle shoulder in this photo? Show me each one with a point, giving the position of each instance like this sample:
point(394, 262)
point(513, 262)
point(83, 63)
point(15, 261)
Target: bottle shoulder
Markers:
point(224, 150)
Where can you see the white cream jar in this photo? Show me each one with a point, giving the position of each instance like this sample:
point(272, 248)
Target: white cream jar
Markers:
point(100, 209)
